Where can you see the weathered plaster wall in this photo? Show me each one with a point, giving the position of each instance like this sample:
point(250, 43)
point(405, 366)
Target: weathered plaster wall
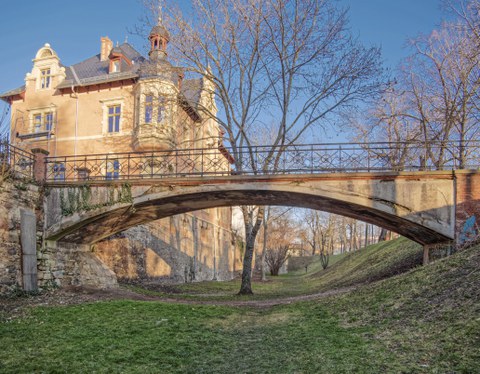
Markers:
point(15, 196)
point(181, 248)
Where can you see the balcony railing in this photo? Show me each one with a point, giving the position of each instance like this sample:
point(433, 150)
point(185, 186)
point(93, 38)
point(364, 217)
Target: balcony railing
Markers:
point(15, 162)
point(262, 160)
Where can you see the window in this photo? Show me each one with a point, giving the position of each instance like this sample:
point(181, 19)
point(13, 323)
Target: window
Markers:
point(113, 170)
point(43, 122)
point(59, 171)
point(161, 109)
point(154, 108)
point(114, 112)
point(112, 116)
point(45, 78)
point(49, 121)
point(148, 108)
point(115, 66)
point(37, 122)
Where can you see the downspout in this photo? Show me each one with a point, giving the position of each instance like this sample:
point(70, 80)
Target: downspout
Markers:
point(75, 95)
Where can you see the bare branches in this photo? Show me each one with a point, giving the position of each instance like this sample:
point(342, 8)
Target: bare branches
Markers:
point(284, 64)
point(436, 97)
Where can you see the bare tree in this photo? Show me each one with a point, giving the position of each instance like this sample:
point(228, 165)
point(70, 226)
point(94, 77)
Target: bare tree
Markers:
point(282, 232)
point(434, 100)
point(276, 257)
point(291, 63)
point(443, 79)
point(321, 233)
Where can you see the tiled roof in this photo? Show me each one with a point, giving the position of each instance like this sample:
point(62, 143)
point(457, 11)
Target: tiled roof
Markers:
point(93, 70)
point(191, 89)
point(13, 92)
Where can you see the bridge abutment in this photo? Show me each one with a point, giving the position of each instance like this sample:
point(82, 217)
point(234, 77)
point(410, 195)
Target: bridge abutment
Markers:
point(62, 264)
point(467, 206)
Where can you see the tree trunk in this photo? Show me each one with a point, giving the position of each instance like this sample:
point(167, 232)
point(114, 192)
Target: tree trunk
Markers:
point(246, 286)
point(251, 231)
point(264, 249)
point(383, 235)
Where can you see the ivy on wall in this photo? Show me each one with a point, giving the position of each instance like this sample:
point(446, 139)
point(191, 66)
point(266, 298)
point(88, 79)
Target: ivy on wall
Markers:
point(79, 199)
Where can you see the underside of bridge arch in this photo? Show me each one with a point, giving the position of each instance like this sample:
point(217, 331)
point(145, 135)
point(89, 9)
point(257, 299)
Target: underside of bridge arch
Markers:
point(94, 226)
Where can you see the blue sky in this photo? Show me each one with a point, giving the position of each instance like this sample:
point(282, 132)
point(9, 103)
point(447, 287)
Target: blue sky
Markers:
point(74, 28)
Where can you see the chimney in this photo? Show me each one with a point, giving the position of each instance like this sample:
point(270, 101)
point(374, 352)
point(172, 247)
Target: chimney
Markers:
point(105, 48)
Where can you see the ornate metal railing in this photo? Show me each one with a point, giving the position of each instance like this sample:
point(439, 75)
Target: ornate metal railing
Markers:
point(15, 162)
point(260, 160)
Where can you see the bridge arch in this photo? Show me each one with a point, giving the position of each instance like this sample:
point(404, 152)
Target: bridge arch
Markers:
point(417, 205)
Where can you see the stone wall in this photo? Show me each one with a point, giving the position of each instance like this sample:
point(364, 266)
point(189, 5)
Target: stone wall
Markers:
point(63, 264)
point(15, 196)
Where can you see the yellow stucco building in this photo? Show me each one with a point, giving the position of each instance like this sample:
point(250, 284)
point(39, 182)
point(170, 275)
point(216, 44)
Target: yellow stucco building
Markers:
point(119, 101)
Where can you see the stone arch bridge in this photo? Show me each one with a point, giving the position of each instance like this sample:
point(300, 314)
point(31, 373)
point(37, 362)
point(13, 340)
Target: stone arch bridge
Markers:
point(427, 207)
point(91, 197)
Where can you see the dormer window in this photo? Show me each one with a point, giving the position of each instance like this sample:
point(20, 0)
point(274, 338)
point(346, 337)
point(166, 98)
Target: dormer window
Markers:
point(115, 66)
point(118, 60)
point(45, 78)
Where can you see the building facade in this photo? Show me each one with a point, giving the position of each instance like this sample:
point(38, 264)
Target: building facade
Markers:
point(119, 101)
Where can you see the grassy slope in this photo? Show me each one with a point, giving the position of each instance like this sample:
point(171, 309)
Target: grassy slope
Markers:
point(376, 262)
point(430, 317)
point(427, 320)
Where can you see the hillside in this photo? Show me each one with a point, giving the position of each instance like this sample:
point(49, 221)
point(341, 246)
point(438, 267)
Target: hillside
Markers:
point(426, 320)
point(369, 264)
point(430, 316)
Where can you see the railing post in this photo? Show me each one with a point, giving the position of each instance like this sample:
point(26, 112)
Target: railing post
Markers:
point(311, 159)
point(368, 158)
point(40, 164)
point(176, 163)
point(340, 153)
point(128, 167)
point(152, 162)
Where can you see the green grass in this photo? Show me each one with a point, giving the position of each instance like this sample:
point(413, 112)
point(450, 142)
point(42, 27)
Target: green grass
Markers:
point(424, 321)
point(376, 262)
point(126, 336)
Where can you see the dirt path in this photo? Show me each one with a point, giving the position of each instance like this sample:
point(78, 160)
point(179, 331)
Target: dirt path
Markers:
point(15, 307)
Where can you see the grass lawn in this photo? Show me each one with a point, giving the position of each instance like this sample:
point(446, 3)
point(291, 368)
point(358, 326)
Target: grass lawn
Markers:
point(424, 321)
point(377, 262)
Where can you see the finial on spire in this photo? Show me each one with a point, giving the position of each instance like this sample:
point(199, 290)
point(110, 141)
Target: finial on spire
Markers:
point(160, 13)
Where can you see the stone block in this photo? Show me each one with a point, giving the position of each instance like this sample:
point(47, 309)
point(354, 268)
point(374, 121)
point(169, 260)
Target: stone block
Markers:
point(58, 274)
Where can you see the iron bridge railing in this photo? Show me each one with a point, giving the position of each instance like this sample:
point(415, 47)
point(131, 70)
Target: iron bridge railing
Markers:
point(15, 162)
point(260, 160)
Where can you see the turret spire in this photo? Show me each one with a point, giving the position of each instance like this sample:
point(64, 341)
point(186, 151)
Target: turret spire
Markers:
point(159, 37)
